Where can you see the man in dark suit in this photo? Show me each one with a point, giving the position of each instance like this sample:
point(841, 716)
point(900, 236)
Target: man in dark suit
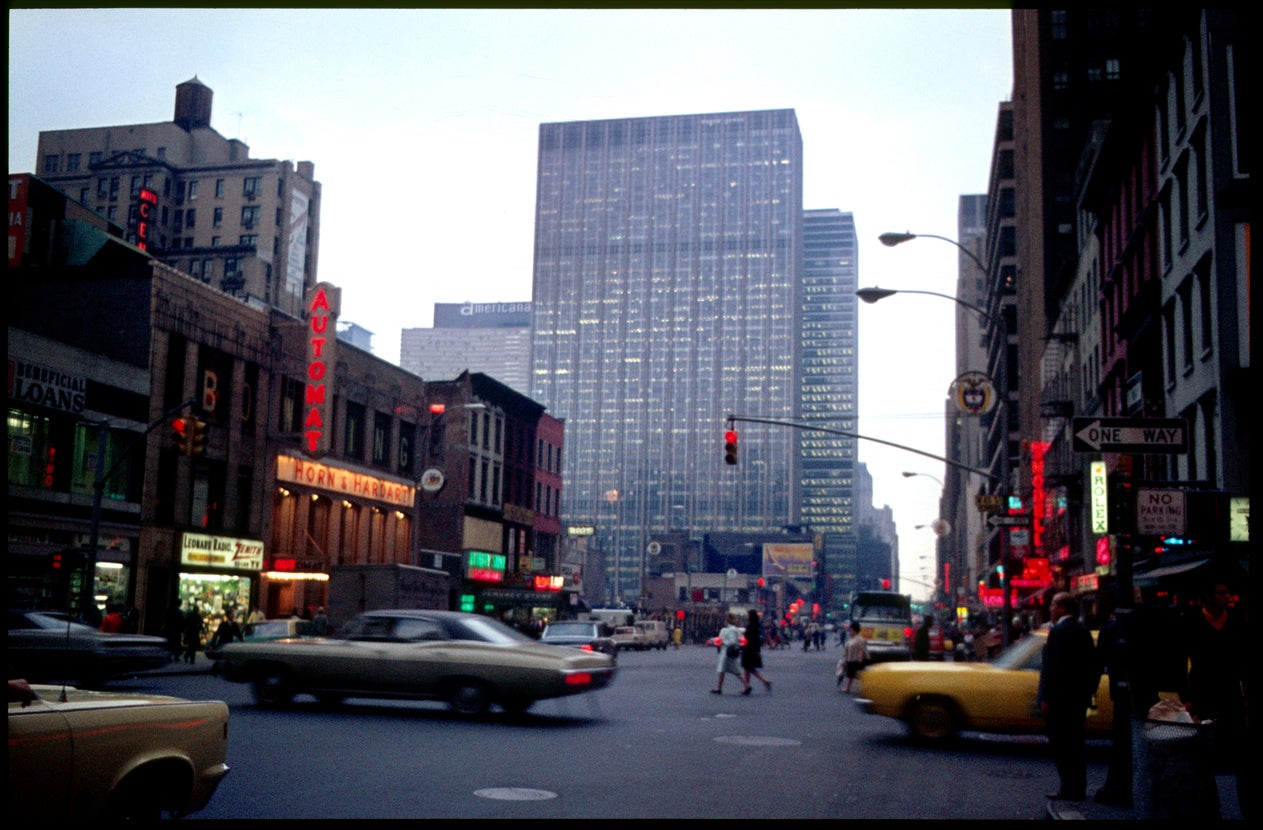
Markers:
point(1067, 680)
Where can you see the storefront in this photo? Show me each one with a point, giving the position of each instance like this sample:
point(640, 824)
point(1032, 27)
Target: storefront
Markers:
point(218, 573)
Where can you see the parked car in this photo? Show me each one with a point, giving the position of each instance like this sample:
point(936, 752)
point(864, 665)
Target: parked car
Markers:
point(629, 637)
point(589, 635)
point(655, 633)
point(53, 646)
point(78, 754)
point(468, 660)
point(939, 700)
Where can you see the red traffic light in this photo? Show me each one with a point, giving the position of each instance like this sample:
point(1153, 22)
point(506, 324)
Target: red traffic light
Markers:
point(730, 447)
point(885, 584)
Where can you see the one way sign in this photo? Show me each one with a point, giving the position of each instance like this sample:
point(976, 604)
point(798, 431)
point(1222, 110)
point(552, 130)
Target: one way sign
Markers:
point(1133, 435)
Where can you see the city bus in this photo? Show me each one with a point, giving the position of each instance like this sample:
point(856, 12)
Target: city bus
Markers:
point(885, 619)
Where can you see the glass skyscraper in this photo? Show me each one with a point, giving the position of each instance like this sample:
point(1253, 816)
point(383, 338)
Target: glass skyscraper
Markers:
point(666, 297)
point(829, 395)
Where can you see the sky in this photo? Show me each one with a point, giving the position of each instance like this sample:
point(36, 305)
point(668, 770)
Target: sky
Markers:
point(423, 128)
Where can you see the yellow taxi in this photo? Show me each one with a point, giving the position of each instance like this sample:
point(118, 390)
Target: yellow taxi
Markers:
point(939, 700)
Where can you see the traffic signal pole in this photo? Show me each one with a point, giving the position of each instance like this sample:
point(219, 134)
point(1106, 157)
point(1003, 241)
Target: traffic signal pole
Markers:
point(87, 591)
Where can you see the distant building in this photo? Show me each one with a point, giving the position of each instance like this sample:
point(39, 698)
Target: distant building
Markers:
point(491, 338)
point(196, 201)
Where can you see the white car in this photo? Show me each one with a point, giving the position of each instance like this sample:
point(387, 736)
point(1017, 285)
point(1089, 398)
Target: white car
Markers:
point(629, 638)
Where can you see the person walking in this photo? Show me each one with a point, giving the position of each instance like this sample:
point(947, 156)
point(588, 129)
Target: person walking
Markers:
point(227, 631)
point(729, 655)
point(752, 653)
point(1068, 678)
point(854, 656)
point(677, 637)
point(194, 628)
point(921, 642)
point(173, 630)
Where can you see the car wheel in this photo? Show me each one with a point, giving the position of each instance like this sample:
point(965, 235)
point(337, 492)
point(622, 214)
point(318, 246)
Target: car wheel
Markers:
point(273, 687)
point(468, 697)
point(142, 796)
point(932, 719)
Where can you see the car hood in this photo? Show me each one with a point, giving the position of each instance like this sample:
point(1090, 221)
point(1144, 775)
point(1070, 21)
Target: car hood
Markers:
point(927, 668)
point(77, 698)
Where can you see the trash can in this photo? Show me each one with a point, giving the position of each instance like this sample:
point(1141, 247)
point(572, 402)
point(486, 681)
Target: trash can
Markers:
point(1175, 770)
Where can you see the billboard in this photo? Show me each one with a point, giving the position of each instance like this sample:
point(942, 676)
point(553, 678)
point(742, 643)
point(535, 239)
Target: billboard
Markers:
point(789, 560)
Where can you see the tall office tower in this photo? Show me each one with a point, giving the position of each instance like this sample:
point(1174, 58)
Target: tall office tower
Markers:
point(489, 338)
point(196, 200)
point(829, 394)
point(667, 253)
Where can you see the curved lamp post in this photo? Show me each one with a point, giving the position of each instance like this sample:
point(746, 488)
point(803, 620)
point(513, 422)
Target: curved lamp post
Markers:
point(910, 474)
point(892, 239)
point(873, 294)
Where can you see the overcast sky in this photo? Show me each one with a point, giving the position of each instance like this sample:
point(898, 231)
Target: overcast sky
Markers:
point(423, 126)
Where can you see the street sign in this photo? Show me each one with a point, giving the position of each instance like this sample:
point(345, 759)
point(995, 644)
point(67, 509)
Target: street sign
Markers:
point(1132, 435)
point(1020, 520)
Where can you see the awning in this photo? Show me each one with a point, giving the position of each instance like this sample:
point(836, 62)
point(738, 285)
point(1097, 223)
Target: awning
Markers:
point(1153, 577)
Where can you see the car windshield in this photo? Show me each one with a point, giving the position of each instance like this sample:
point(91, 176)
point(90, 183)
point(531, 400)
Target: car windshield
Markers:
point(58, 620)
point(488, 631)
point(571, 629)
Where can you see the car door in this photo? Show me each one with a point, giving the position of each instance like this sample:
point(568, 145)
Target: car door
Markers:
point(41, 756)
point(419, 655)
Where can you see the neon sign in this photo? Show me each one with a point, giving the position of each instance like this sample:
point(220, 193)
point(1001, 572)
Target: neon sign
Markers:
point(481, 566)
point(145, 203)
point(322, 311)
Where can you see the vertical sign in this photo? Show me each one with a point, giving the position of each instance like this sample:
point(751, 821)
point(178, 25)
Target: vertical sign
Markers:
point(324, 302)
point(1099, 486)
point(145, 204)
point(295, 264)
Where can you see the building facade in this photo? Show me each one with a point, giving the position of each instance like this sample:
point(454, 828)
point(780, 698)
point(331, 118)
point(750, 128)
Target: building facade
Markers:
point(667, 254)
point(491, 338)
point(196, 201)
point(829, 396)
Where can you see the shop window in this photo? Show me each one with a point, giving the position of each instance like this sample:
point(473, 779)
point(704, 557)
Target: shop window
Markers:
point(381, 439)
point(353, 434)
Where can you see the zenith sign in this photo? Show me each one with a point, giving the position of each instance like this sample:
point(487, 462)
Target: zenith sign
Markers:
point(1132, 435)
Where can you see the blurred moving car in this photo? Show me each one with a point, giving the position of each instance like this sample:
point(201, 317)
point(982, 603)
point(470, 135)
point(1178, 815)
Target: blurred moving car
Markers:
point(629, 637)
point(938, 701)
point(270, 630)
point(589, 635)
point(82, 754)
point(469, 661)
point(53, 646)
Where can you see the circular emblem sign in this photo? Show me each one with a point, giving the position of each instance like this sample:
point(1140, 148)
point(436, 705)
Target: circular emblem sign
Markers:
point(432, 480)
point(974, 393)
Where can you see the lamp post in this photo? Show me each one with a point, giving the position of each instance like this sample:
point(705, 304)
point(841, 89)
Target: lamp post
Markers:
point(891, 239)
point(909, 474)
point(874, 294)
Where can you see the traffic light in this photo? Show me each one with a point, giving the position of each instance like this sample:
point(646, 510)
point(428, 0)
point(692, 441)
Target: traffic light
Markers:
point(197, 436)
point(180, 434)
point(885, 584)
point(730, 447)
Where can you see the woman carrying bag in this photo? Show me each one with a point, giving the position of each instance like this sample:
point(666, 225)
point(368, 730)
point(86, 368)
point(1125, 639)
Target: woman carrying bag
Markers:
point(729, 655)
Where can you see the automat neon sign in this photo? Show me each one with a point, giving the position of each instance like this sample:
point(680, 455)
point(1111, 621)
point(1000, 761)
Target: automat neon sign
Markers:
point(322, 312)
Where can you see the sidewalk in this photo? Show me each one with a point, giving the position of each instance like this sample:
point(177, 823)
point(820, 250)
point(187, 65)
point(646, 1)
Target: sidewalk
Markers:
point(201, 665)
point(1229, 808)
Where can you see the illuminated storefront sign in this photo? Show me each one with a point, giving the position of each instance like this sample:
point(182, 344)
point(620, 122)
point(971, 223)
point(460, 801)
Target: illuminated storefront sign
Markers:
point(323, 306)
point(40, 385)
point(481, 566)
point(547, 583)
point(145, 204)
point(344, 481)
point(1039, 497)
point(207, 551)
point(1099, 487)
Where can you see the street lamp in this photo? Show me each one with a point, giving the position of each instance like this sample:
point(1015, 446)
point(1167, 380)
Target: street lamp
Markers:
point(909, 474)
point(874, 294)
point(892, 239)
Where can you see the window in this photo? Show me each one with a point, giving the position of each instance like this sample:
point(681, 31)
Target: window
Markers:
point(94, 158)
point(1205, 306)
point(381, 439)
point(217, 217)
point(249, 216)
point(162, 152)
point(190, 217)
point(135, 186)
point(219, 188)
point(50, 163)
point(1112, 70)
point(192, 190)
point(249, 239)
point(253, 186)
point(353, 434)
point(72, 161)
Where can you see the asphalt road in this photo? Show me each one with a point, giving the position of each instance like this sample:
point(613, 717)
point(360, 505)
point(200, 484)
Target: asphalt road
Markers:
point(656, 744)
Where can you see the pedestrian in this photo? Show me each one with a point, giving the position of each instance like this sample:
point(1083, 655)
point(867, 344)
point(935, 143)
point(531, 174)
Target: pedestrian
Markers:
point(854, 656)
point(1116, 791)
point(173, 629)
point(729, 655)
point(194, 628)
point(921, 642)
point(752, 655)
point(320, 623)
point(677, 637)
point(1217, 649)
point(256, 616)
point(227, 631)
point(112, 622)
point(131, 620)
point(1068, 678)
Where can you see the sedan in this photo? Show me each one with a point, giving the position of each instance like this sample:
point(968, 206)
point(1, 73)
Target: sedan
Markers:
point(76, 754)
point(52, 646)
point(939, 700)
point(589, 635)
point(469, 661)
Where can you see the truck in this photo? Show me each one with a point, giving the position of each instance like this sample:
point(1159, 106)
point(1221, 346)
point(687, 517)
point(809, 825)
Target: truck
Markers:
point(354, 589)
